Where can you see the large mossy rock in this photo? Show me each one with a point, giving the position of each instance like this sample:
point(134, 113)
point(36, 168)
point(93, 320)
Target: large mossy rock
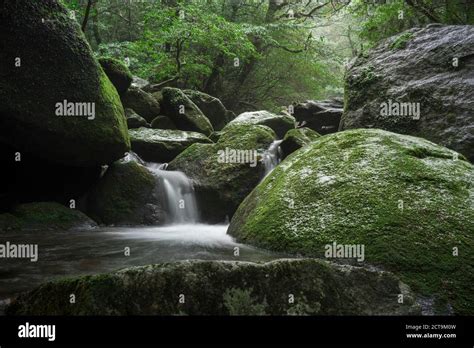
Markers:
point(117, 72)
point(126, 195)
point(408, 200)
point(297, 138)
point(183, 112)
point(162, 145)
point(417, 66)
point(280, 123)
point(222, 186)
point(224, 288)
point(44, 216)
point(49, 62)
point(211, 107)
point(142, 103)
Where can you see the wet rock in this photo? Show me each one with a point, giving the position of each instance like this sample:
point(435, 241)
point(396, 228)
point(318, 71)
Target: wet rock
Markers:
point(225, 288)
point(430, 71)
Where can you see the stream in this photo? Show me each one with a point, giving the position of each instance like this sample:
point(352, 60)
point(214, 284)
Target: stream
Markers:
point(74, 253)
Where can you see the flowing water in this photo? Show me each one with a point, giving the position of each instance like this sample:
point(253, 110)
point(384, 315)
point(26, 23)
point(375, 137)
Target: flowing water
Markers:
point(272, 157)
point(180, 199)
point(73, 253)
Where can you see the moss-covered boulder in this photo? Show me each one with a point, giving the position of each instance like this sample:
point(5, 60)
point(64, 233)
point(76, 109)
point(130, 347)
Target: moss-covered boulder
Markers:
point(162, 122)
point(408, 201)
point(134, 120)
point(46, 63)
point(297, 138)
point(220, 180)
point(281, 287)
point(211, 107)
point(162, 145)
point(141, 102)
point(117, 72)
point(126, 195)
point(44, 216)
point(280, 123)
point(183, 112)
point(415, 83)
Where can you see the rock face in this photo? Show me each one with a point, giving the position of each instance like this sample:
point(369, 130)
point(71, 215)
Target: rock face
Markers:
point(280, 123)
point(162, 122)
point(162, 145)
point(134, 120)
point(417, 67)
point(126, 195)
point(224, 288)
point(211, 107)
point(142, 103)
point(118, 73)
point(222, 182)
point(32, 88)
point(297, 138)
point(322, 116)
point(407, 200)
point(44, 216)
point(183, 112)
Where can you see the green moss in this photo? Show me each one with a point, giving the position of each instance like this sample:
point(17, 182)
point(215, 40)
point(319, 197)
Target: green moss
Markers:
point(279, 123)
point(44, 216)
point(221, 186)
point(223, 288)
point(31, 124)
point(191, 119)
point(122, 194)
point(117, 72)
point(401, 41)
point(347, 188)
point(241, 302)
point(297, 138)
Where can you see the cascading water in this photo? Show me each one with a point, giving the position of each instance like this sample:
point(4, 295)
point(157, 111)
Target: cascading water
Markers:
point(179, 192)
point(272, 157)
point(180, 199)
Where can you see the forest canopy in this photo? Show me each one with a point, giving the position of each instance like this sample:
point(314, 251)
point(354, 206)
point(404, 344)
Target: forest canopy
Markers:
point(252, 54)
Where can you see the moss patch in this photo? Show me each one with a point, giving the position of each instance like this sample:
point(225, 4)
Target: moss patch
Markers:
point(348, 187)
point(44, 216)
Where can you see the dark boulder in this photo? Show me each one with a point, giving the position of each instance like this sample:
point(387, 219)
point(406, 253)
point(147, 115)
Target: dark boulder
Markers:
point(117, 72)
point(281, 287)
point(321, 116)
point(35, 85)
point(142, 103)
point(162, 145)
point(211, 107)
point(134, 120)
point(183, 112)
point(417, 83)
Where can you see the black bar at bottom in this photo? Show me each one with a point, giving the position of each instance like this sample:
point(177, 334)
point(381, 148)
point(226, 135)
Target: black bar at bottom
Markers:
point(452, 331)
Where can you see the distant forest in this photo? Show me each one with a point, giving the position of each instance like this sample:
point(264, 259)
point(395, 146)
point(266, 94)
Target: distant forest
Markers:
point(252, 54)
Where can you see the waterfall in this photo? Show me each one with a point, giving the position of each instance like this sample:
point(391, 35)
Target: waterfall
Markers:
point(179, 197)
point(179, 191)
point(272, 157)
